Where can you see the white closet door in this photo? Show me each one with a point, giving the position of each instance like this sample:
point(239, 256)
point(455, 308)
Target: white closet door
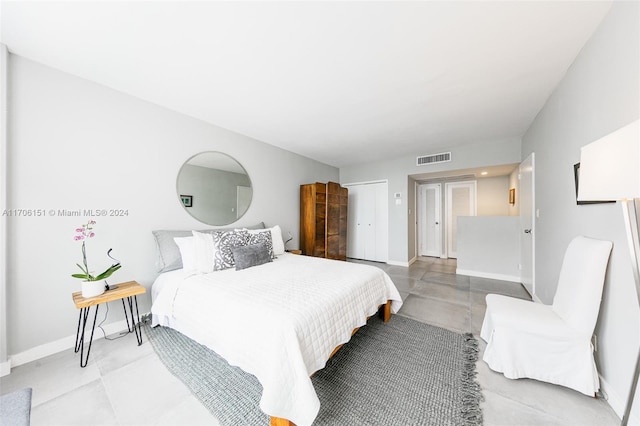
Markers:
point(355, 228)
point(368, 219)
point(461, 201)
point(368, 222)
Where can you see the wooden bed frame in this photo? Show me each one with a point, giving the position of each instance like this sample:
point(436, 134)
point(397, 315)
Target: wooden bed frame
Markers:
point(385, 313)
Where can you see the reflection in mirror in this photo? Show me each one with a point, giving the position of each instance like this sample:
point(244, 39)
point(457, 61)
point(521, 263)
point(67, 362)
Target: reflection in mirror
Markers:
point(214, 188)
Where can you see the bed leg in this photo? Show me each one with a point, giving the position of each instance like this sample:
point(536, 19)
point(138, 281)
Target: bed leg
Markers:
point(278, 421)
point(385, 311)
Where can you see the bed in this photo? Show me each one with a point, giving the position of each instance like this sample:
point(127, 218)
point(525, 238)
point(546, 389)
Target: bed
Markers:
point(280, 321)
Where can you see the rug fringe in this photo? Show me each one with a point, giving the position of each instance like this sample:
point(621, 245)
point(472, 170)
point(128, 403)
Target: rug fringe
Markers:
point(472, 392)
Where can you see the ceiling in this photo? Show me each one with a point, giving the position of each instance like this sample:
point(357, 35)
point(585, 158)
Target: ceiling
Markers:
point(467, 174)
point(341, 82)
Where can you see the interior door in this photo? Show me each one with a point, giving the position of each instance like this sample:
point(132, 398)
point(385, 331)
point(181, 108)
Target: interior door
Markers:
point(429, 229)
point(461, 201)
point(243, 200)
point(527, 223)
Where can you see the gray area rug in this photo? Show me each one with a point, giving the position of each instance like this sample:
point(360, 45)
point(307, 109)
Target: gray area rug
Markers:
point(400, 373)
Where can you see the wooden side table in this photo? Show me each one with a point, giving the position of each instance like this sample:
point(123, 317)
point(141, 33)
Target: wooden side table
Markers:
point(129, 291)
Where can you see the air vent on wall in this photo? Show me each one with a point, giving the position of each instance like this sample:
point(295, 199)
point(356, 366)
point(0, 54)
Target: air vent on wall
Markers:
point(443, 157)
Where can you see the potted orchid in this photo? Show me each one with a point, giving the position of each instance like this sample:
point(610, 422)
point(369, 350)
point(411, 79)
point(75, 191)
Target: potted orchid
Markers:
point(92, 284)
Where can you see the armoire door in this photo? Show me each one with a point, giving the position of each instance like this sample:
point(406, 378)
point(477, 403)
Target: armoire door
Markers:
point(336, 221)
point(323, 220)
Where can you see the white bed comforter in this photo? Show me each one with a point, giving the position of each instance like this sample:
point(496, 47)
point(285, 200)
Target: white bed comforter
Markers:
point(279, 321)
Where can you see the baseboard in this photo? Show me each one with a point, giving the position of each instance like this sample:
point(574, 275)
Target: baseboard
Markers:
point(59, 345)
point(479, 274)
point(617, 403)
point(396, 263)
point(5, 368)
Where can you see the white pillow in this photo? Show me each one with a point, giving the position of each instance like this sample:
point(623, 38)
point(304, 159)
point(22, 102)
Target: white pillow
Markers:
point(204, 252)
point(276, 239)
point(187, 253)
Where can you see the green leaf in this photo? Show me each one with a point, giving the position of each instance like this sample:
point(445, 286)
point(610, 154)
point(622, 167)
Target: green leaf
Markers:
point(82, 276)
point(106, 274)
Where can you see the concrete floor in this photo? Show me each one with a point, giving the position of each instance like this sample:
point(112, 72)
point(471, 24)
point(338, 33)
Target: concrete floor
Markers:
point(128, 385)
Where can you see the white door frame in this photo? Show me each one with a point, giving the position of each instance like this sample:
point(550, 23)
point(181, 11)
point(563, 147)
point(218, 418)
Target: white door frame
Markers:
point(422, 218)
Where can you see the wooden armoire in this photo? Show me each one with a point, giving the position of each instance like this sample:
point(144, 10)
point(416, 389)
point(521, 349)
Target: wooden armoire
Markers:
point(323, 220)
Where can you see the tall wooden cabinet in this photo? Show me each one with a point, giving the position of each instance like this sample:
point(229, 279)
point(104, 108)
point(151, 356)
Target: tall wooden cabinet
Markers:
point(323, 220)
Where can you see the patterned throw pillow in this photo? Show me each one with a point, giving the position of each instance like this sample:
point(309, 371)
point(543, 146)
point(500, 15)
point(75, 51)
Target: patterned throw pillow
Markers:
point(262, 237)
point(223, 244)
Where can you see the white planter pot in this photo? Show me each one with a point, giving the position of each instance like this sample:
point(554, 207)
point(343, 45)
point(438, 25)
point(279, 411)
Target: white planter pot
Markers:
point(92, 288)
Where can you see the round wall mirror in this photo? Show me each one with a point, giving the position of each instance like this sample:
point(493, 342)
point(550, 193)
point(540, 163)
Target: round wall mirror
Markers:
point(214, 188)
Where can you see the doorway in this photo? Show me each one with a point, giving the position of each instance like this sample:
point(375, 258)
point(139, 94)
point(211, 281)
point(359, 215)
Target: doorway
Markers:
point(459, 200)
point(429, 233)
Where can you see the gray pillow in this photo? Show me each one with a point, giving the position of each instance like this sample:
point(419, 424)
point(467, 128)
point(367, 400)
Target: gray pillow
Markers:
point(251, 255)
point(168, 252)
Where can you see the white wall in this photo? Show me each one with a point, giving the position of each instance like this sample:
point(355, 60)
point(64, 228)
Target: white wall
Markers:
point(599, 94)
point(514, 182)
point(489, 247)
point(493, 196)
point(398, 172)
point(74, 145)
point(4, 359)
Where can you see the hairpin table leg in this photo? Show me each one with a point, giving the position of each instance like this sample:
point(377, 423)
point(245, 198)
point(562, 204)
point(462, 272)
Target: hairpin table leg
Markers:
point(135, 325)
point(84, 314)
point(129, 329)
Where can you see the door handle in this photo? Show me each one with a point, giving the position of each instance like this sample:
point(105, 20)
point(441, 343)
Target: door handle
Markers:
point(527, 231)
point(437, 223)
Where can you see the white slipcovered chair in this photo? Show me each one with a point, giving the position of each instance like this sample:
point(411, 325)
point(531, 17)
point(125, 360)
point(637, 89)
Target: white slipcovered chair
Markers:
point(552, 343)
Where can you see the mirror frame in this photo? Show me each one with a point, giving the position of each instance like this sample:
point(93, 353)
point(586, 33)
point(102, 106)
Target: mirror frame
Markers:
point(187, 201)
